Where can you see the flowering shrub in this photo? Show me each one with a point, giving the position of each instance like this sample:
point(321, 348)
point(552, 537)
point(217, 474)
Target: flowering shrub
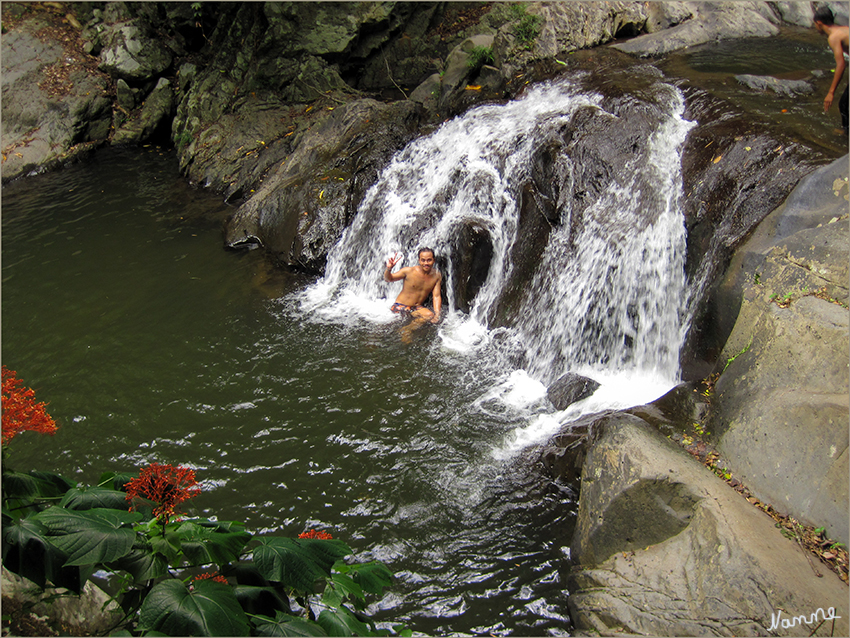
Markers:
point(20, 410)
point(314, 534)
point(58, 533)
point(165, 485)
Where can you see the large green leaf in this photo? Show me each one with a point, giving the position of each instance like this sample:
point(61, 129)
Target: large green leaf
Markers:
point(89, 536)
point(341, 622)
point(286, 625)
point(86, 498)
point(298, 563)
point(28, 552)
point(116, 480)
point(206, 542)
point(339, 588)
point(33, 485)
point(208, 609)
point(142, 564)
point(168, 545)
point(372, 577)
point(258, 600)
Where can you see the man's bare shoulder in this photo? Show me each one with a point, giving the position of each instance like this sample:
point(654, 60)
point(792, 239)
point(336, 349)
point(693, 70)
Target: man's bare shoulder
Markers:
point(840, 35)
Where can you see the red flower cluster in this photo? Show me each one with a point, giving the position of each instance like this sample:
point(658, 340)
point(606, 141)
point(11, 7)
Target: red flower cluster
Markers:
point(20, 410)
point(165, 485)
point(314, 534)
point(211, 575)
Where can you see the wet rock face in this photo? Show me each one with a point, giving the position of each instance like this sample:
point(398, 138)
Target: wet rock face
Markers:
point(472, 250)
point(735, 171)
point(301, 209)
point(570, 388)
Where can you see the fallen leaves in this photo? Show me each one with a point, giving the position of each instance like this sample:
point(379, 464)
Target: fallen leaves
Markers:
point(812, 540)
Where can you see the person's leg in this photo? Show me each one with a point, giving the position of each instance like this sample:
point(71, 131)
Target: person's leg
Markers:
point(842, 108)
point(421, 312)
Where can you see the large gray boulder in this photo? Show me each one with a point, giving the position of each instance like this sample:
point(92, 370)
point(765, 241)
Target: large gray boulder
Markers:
point(662, 547)
point(92, 613)
point(44, 123)
point(569, 26)
point(303, 205)
point(709, 22)
point(781, 408)
point(130, 53)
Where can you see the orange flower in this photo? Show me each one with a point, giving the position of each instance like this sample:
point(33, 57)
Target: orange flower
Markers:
point(165, 485)
point(20, 410)
point(314, 534)
point(210, 576)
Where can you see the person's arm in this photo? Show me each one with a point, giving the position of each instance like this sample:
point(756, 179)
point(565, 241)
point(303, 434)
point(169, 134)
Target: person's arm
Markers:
point(391, 276)
point(840, 65)
point(438, 300)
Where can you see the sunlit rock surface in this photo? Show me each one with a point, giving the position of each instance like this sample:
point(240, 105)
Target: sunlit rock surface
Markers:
point(781, 410)
point(663, 548)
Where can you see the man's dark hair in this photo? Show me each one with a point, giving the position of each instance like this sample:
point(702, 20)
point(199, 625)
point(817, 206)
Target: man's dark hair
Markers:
point(425, 249)
point(824, 15)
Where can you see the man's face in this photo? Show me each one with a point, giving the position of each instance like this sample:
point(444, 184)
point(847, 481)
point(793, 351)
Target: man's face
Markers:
point(819, 27)
point(426, 261)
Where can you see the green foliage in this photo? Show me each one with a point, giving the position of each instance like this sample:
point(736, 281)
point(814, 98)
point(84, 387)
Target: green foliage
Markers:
point(182, 139)
point(527, 26)
point(57, 533)
point(206, 608)
point(735, 356)
point(479, 56)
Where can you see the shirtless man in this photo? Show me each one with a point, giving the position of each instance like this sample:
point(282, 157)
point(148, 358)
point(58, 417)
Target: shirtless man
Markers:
point(838, 37)
point(419, 282)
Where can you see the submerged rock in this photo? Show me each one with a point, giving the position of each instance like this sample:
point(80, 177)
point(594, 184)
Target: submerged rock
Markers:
point(788, 88)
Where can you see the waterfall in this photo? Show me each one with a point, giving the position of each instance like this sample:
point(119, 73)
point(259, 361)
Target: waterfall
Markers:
point(608, 295)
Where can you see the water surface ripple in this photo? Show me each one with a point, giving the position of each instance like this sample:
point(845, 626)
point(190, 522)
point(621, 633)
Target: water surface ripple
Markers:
point(151, 343)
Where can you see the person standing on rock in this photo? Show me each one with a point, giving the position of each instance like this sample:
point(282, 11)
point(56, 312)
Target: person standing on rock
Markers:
point(420, 281)
point(838, 38)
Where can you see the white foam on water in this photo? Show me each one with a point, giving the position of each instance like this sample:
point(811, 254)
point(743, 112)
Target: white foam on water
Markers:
point(609, 293)
point(617, 391)
point(463, 336)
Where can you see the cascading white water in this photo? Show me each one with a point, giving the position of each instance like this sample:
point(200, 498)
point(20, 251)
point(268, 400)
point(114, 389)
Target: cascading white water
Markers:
point(468, 170)
point(607, 298)
point(616, 299)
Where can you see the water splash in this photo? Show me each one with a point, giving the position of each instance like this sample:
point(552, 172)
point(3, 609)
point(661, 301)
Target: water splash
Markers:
point(607, 299)
point(469, 170)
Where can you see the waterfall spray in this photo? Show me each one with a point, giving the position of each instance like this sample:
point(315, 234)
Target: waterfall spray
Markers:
point(608, 293)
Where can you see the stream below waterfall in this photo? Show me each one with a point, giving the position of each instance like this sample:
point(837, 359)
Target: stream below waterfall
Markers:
point(299, 403)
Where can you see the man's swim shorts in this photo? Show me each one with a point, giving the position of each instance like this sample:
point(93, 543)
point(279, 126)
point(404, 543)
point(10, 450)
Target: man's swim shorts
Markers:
point(402, 309)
